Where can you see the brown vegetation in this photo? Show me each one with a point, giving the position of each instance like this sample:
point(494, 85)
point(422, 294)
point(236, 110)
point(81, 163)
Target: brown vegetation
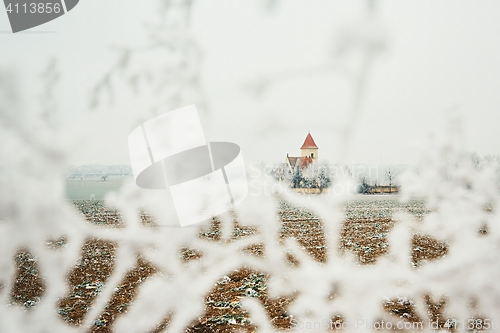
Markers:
point(365, 237)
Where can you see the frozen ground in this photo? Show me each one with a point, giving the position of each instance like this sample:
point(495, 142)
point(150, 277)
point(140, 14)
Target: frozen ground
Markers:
point(368, 220)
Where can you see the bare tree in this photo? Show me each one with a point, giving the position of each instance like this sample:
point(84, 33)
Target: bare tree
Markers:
point(475, 160)
point(297, 178)
point(364, 184)
point(323, 176)
point(280, 172)
point(176, 63)
point(391, 174)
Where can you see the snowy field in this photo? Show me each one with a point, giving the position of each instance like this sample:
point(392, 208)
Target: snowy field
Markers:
point(368, 220)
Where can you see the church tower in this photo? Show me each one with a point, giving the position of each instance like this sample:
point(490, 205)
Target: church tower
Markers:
point(309, 148)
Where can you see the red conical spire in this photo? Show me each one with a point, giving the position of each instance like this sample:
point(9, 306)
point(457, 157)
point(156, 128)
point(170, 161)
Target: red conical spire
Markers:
point(309, 142)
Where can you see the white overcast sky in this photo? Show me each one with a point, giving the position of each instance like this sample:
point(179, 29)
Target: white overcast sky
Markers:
point(441, 55)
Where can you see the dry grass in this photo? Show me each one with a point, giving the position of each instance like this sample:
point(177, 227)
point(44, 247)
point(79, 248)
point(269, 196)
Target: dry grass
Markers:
point(364, 234)
point(28, 287)
point(223, 308)
point(366, 238)
point(87, 279)
point(123, 296)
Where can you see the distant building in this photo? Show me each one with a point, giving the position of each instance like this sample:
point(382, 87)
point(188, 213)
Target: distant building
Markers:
point(308, 152)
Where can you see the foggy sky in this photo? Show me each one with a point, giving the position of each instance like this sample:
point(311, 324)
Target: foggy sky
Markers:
point(441, 57)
